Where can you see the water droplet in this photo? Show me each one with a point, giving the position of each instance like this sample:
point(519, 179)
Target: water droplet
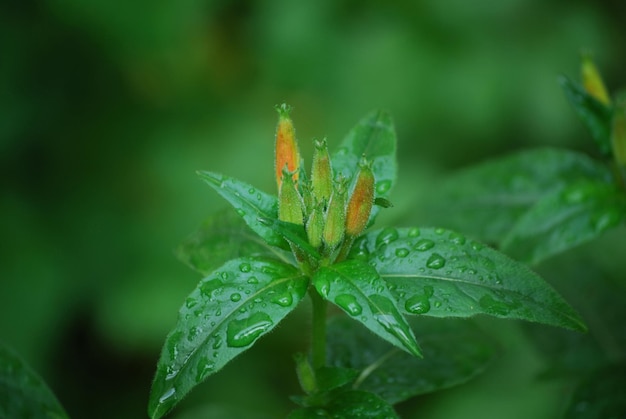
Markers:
point(383, 187)
point(244, 332)
point(235, 296)
point(209, 287)
point(493, 306)
point(437, 304)
point(388, 317)
point(241, 212)
point(606, 220)
point(205, 367)
point(477, 246)
point(251, 191)
point(424, 245)
point(245, 267)
point(435, 261)
point(414, 232)
point(402, 252)
point(386, 236)
point(217, 343)
point(167, 395)
point(253, 280)
point(418, 304)
point(171, 372)
point(190, 302)
point(349, 304)
point(439, 230)
point(457, 238)
point(323, 287)
point(283, 300)
point(172, 344)
point(193, 333)
point(224, 275)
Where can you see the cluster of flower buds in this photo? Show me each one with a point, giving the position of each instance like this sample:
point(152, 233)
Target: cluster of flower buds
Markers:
point(331, 216)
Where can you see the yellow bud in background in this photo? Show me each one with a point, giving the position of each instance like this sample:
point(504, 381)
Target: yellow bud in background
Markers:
point(592, 82)
point(618, 133)
point(286, 150)
point(361, 201)
point(321, 173)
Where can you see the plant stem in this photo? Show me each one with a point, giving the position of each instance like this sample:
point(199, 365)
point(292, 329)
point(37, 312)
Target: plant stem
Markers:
point(318, 343)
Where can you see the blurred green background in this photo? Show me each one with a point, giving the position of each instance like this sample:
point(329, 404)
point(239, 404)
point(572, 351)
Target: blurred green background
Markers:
point(107, 108)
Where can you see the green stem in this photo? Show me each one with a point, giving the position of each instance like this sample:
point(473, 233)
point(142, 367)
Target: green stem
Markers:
point(318, 344)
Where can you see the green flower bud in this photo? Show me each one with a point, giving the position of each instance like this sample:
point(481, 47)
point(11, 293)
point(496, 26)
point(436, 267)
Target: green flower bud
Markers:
point(361, 201)
point(335, 226)
point(321, 173)
point(290, 205)
point(315, 225)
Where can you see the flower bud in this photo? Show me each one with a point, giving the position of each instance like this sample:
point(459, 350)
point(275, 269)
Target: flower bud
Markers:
point(335, 226)
point(290, 205)
point(321, 173)
point(592, 82)
point(286, 151)
point(361, 201)
point(315, 225)
point(618, 133)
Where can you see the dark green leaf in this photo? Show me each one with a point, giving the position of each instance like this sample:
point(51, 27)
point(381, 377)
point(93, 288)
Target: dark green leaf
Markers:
point(595, 115)
point(227, 312)
point(374, 137)
point(250, 203)
point(454, 352)
point(222, 237)
point(579, 213)
point(440, 273)
point(349, 404)
point(600, 396)
point(486, 200)
point(356, 288)
point(331, 378)
point(23, 394)
point(293, 233)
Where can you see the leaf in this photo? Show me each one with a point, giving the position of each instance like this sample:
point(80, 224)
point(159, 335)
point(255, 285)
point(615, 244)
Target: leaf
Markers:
point(486, 200)
point(293, 233)
point(250, 203)
point(222, 237)
point(227, 312)
point(440, 273)
point(454, 352)
point(357, 289)
point(349, 404)
point(374, 137)
point(594, 114)
point(23, 393)
point(577, 214)
point(600, 396)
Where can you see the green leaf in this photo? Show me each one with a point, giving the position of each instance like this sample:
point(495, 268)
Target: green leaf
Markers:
point(227, 312)
point(577, 214)
point(440, 273)
point(595, 115)
point(454, 352)
point(293, 233)
point(356, 288)
point(486, 200)
point(373, 136)
point(23, 393)
point(601, 395)
point(349, 404)
point(222, 237)
point(250, 203)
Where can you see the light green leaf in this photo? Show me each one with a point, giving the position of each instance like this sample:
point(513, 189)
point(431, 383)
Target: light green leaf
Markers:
point(293, 233)
point(222, 237)
point(486, 200)
point(601, 395)
point(454, 352)
point(250, 203)
point(23, 393)
point(374, 137)
point(577, 214)
point(227, 312)
point(440, 273)
point(349, 404)
point(594, 114)
point(356, 288)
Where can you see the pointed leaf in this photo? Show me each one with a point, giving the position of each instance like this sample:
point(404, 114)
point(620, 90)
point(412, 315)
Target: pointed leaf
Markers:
point(440, 273)
point(558, 222)
point(222, 237)
point(23, 393)
point(374, 136)
point(293, 233)
point(227, 312)
point(250, 203)
point(454, 352)
point(601, 395)
point(349, 404)
point(357, 289)
point(595, 115)
point(487, 199)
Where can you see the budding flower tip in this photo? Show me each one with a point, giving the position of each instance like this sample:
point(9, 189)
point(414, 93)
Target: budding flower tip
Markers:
point(320, 144)
point(283, 110)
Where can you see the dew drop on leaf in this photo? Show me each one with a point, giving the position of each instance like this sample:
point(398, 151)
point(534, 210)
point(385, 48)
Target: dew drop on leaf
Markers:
point(217, 343)
point(235, 296)
point(241, 212)
point(383, 187)
point(424, 245)
point(209, 286)
point(418, 304)
point(435, 261)
point(243, 332)
point(283, 300)
point(244, 267)
point(606, 220)
point(349, 304)
point(414, 232)
point(439, 231)
point(251, 191)
point(386, 236)
point(493, 306)
point(323, 286)
point(168, 395)
point(253, 280)
point(190, 302)
point(457, 238)
point(402, 252)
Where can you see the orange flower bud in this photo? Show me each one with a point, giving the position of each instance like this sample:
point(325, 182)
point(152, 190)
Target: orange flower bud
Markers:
point(286, 151)
point(592, 82)
point(361, 201)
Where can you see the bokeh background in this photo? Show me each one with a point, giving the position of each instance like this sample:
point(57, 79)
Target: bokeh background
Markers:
point(108, 107)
